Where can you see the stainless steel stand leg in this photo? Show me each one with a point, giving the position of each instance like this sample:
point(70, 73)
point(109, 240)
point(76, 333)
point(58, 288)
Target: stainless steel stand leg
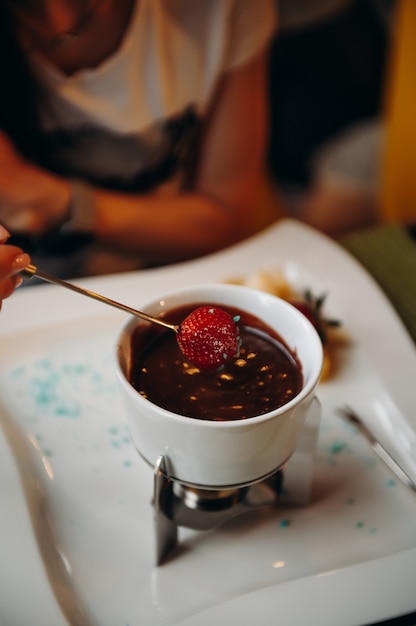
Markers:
point(166, 530)
point(177, 505)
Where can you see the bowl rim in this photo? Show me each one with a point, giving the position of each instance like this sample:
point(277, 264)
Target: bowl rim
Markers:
point(311, 383)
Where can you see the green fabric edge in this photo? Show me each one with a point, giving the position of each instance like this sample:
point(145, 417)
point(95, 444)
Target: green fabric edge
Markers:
point(389, 254)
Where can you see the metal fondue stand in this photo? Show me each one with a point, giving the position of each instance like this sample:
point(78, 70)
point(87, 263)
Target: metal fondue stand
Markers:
point(179, 505)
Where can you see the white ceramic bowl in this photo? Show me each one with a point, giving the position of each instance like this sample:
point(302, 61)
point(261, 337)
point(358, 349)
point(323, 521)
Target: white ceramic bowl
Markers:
point(213, 454)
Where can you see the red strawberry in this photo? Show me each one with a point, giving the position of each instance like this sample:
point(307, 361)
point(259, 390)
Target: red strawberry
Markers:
point(311, 307)
point(307, 311)
point(208, 337)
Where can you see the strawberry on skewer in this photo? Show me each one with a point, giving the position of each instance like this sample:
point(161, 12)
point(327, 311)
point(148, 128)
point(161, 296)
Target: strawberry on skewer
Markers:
point(209, 337)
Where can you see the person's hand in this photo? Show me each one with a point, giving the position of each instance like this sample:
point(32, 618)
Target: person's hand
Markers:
point(32, 201)
point(12, 261)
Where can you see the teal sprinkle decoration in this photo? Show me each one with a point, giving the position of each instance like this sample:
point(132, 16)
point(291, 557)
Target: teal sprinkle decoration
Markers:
point(17, 371)
point(236, 318)
point(44, 364)
point(359, 524)
point(284, 523)
point(391, 482)
point(67, 411)
point(43, 398)
point(337, 447)
point(77, 368)
point(127, 463)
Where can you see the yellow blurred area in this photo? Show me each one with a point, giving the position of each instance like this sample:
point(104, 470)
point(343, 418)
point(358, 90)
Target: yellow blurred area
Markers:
point(398, 175)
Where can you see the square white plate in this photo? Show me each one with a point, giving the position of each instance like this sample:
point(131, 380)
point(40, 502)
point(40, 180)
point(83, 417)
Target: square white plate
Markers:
point(76, 535)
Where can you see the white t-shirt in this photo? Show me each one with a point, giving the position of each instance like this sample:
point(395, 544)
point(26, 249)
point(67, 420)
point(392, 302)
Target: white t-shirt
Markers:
point(109, 123)
point(132, 123)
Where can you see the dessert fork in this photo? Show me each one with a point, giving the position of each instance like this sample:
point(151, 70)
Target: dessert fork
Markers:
point(353, 418)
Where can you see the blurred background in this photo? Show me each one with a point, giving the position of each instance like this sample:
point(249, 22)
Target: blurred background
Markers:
point(330, 77)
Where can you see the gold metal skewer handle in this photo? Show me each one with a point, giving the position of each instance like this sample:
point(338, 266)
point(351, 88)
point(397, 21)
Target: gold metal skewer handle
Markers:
point(32, 270)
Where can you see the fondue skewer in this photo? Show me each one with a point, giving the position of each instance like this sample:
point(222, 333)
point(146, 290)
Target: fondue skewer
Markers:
point(32, 270)
point(208, 336)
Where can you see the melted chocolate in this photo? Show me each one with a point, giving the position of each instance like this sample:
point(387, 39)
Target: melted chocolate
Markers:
point(264, 376)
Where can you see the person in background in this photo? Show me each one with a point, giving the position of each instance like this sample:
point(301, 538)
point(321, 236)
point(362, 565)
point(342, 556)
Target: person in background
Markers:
point(328, 80)
point(133, 132)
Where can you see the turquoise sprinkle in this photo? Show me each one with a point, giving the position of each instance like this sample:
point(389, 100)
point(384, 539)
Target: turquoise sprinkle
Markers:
point(337, 446)
point(67, 411)
point(42, 398)
point(18, 371)
point(284, 523)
